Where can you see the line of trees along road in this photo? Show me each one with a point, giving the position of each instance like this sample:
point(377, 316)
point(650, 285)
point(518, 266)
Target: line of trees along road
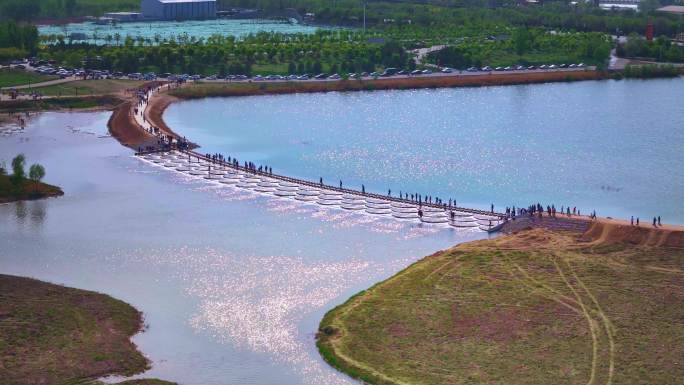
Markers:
point(526, 46)
point(17, 40)
point(325, 51)
point(552, 14)
point(660, 49)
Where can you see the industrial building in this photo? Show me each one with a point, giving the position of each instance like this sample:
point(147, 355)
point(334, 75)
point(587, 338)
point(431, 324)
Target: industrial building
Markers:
point(178, 9)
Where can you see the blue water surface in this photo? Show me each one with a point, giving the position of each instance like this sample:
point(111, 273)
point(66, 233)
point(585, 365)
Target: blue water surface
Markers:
point(610, 146)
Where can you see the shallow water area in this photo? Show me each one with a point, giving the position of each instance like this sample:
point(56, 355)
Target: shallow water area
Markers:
point(610, 146)
point(232, 282)
point(178, 30)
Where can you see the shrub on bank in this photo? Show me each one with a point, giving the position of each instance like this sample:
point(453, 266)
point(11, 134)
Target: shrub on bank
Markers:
point(649, 71)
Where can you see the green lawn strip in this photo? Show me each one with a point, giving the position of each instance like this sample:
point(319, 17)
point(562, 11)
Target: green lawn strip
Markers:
point(11, 77)
point(485, 313)
point(88, 87)
point(73, 102)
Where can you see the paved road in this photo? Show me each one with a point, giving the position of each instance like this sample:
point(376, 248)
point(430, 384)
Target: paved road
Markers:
point(422, 52)
point(617, 63)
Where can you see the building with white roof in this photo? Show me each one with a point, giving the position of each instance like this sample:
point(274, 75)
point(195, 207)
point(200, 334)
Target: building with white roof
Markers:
point(178, 9)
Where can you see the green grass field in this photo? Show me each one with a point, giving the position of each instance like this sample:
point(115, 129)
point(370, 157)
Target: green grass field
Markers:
point(534, 308)
point(10, 78)
point(88, 87)
point(63, 103)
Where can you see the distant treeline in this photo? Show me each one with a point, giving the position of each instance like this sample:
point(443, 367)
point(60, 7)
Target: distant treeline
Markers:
point(30, 10)
point(325, 51)
point(555, 15)
point(550, 15)
point(660, 49)
point(17, 40)
point(527, 46)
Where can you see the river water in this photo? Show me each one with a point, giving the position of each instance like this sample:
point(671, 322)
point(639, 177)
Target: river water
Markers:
point(233, 284)
point(98, 34)
point(610, 146)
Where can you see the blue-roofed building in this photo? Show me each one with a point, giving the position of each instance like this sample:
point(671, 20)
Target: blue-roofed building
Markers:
point(178, 9)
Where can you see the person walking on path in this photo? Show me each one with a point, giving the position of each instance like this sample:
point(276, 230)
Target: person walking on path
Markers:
point(637, 221)
point(655, 222)
point(659, 221)
point(492, 208)
point(632, 221)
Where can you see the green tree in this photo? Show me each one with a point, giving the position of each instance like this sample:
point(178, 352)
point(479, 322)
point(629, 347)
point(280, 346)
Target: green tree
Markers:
point(521, 40)
point(36, 172)
point(18, 173)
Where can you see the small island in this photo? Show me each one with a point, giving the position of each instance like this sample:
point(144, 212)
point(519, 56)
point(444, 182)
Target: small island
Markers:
point(53, 334)
point(19, 187)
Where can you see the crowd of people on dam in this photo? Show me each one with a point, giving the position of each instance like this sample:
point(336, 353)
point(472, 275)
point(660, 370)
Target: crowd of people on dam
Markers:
point(551, 211)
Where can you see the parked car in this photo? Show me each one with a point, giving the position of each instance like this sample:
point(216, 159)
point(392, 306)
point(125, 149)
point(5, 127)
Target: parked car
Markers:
point(334, 76)
point(416, 72)
point(472, 69)
point(427, 72)
point(390, 71)
point(321, 76)
point(486, 68)
point(447, 70)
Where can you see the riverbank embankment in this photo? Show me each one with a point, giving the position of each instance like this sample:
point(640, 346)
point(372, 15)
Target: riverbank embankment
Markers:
point(211, 89)
point(54, 334)
point(537, 306)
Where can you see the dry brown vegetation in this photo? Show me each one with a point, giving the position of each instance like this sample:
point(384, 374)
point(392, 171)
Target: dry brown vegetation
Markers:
point(50, 334)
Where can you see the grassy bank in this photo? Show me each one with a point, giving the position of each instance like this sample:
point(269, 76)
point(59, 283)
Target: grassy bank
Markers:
point(201, 90)
point(26, 190)
point(63, 103)
point(10, 78)
point(89, 87)
point(532, 308)
point(50, 334)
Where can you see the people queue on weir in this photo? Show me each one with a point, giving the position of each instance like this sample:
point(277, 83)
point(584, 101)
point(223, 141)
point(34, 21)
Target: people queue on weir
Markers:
point(168, 142)
point(656, 221)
